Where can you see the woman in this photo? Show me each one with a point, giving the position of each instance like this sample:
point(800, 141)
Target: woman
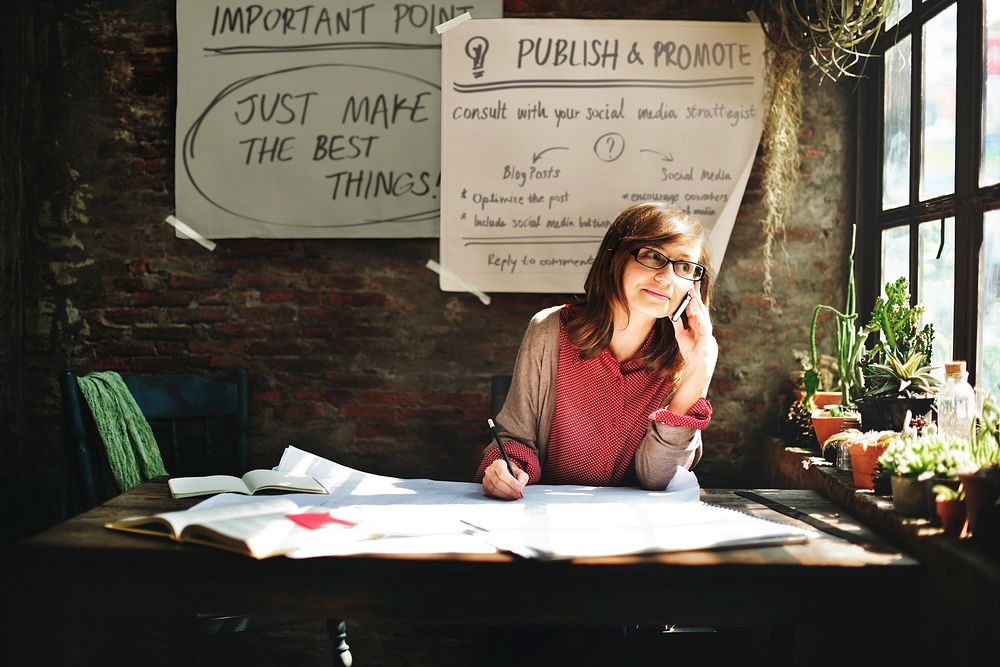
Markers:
point(612, 391)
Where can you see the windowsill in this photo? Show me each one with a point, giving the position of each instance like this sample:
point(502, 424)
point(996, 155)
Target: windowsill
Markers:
point(956, 567)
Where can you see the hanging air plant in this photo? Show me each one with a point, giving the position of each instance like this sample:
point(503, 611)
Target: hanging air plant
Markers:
point(781, 153)
point(834, 34)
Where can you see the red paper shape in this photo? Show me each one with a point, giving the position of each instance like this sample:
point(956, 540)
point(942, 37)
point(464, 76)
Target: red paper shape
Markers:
point(314, 520)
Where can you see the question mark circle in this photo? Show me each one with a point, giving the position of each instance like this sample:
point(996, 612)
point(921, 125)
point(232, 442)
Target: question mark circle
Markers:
point(609, 146)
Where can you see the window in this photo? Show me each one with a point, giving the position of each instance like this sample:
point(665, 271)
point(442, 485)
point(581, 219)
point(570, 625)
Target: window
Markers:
point(989, 295)
point(929, 181)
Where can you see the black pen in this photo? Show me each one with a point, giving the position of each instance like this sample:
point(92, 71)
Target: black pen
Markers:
point(503, 452)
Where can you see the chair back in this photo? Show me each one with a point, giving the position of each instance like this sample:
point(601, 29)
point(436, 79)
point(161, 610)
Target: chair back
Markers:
point(201, 427)
point(499, 386)
point(172, 404)
point(85, 458)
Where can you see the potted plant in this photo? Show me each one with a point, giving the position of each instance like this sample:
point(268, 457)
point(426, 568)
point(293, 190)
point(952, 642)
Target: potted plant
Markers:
point(865, 448)
point(831, 418)
point(949, 504)
point(829, 379)
point(914, 462)
point(849, 344)
point(896, 374)
point(981, 482)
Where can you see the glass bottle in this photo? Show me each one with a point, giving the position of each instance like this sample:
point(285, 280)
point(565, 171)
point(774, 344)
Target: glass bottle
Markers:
point(843, 456)
point(956, 402)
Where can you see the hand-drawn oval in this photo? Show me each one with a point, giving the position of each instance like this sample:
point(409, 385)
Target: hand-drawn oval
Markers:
point(289, 147)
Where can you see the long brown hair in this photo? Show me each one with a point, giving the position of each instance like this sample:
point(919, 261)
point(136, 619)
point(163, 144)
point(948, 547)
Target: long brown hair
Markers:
point(640, 225)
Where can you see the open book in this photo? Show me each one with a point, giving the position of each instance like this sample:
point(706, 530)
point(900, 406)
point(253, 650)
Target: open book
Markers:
point(249, 484)
point(259, 528)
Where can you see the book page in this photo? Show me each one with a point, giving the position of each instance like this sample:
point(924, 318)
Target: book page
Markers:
point(183, 487)
point(180, 520)
point(259, 535)
point(275, 479)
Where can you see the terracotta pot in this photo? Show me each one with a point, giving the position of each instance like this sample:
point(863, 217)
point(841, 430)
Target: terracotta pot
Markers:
point(980, 492)
point(824, 425)
point(821, 398)
point(932, 497)
point(863, 464)
point(951, 513)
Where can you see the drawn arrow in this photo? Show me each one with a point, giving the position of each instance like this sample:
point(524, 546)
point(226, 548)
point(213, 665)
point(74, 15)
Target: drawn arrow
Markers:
point(536, 156)
point(666, 158)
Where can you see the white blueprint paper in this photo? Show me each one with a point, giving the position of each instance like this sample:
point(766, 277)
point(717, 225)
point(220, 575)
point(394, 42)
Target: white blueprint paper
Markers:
point(551, 521)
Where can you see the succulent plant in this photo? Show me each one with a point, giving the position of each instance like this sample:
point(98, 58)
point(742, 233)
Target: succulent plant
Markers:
point(985, 441)
point(898, 363)
point(932, 454)
point(900, 378)
point(865, 439)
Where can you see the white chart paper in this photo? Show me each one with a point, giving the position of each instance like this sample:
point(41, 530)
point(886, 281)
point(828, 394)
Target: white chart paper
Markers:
point(551, 521)
point(310, 120)
point(550, 128)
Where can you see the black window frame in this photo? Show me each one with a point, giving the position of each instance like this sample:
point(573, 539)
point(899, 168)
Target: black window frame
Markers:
point(967, 204)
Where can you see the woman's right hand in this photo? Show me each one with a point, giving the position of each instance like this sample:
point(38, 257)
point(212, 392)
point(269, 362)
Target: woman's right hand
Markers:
point(498, 482)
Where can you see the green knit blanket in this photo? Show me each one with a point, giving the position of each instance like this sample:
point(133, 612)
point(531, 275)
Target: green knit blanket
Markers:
point(128, 440)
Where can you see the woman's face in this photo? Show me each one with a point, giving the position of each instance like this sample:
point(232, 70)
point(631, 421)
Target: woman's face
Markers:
point(657, 292)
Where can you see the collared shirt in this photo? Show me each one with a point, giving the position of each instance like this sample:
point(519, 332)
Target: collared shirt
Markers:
point(603, 410)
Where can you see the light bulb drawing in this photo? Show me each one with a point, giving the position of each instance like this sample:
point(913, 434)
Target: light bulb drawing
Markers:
point(476, 49)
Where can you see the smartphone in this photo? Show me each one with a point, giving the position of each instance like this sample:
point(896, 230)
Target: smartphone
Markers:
point(679, 312)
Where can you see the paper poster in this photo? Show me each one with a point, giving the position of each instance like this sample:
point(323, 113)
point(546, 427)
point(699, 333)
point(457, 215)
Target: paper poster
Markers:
point(550, 128)
point(310, 120)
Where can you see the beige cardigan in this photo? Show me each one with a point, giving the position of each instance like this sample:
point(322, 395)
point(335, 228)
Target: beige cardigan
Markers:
point(531, 403)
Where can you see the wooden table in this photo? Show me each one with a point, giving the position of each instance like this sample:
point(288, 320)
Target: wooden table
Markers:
point(79, 561)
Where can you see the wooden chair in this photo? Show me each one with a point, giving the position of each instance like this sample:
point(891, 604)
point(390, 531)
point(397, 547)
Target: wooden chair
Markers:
point(175, 406)
point(201, 427)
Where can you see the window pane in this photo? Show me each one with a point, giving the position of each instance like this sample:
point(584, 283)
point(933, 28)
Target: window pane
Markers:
point(937, 159)
point(896, 116)
point(989, 172)
point(988, 366)
point(895, 255)
point(900, 8)
point(936, 284)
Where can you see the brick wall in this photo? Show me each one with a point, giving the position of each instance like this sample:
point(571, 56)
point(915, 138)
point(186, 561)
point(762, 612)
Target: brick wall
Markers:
point(354, 352)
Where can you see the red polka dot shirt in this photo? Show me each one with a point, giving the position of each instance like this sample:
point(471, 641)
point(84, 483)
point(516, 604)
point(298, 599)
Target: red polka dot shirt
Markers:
point(603, 410)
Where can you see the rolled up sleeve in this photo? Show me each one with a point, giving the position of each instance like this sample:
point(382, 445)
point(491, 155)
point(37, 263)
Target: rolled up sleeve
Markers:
point(672, 440)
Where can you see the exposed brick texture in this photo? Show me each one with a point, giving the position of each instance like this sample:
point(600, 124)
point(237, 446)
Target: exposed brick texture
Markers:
point(355, 358)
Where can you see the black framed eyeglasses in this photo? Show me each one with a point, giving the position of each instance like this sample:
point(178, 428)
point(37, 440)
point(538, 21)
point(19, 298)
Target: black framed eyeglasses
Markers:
point(654, 259)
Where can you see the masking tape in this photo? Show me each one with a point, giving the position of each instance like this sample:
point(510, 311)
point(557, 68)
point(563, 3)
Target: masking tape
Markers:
point(448, 25)
point(190, 233)
point(440, 270)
